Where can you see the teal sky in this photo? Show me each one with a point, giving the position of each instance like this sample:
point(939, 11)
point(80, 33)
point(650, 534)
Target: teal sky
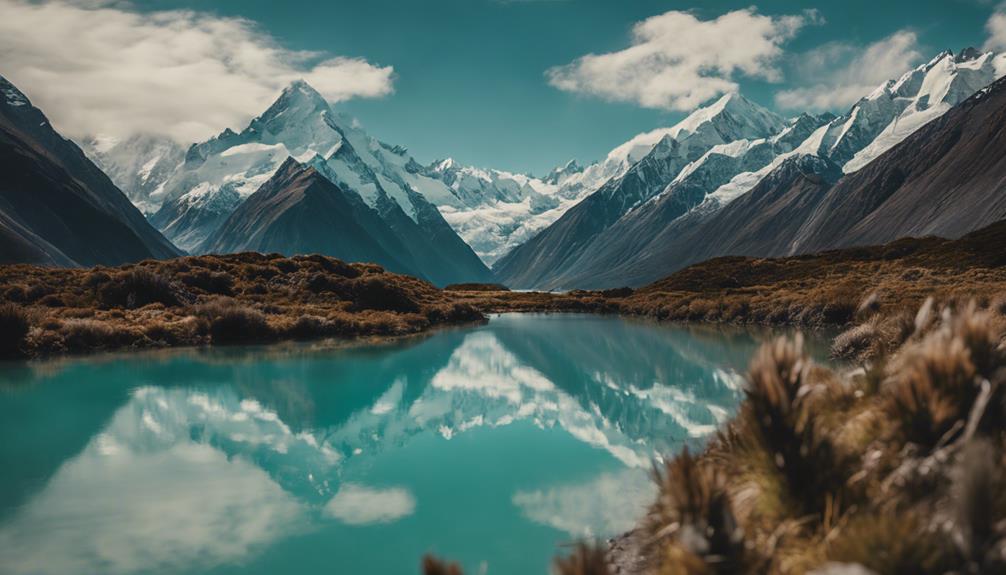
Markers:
point(470, 75)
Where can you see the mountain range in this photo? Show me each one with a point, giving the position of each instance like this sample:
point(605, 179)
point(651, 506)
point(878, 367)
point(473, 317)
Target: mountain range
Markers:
point(636, 234)
point(914, 157)
point(218, 175)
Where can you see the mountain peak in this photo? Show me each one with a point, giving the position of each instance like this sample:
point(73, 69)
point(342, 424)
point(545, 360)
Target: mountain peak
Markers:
point(301, 95)
point(300, 86)
point(441, 166)
point(968, 54)
point(11, 95)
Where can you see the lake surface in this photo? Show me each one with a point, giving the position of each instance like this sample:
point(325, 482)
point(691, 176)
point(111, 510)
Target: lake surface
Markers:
point(493, 446)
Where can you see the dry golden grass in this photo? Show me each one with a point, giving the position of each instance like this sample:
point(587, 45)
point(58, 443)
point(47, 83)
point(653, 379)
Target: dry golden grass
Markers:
point(241, 298)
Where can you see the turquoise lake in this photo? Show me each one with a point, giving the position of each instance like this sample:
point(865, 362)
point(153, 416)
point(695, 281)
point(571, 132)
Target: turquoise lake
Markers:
point(495, 446)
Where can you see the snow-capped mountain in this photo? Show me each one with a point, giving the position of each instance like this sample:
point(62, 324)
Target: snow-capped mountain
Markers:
point(301, 211)
point(899, 107)
point(643, 168)
point(495, 211)
point(138, 165)
point(731, 170)
point(219, 174)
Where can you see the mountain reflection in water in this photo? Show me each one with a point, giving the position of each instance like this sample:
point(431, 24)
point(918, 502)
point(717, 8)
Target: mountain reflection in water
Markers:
point(492, 444)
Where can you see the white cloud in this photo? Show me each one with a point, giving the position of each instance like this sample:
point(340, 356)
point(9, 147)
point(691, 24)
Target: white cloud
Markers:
point(996, 28)
point(102, 68)
point(362, 505)
point(677, 61)
point(839, 74)
point(609, 504)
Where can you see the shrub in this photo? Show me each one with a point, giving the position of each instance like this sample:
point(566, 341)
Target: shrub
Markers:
point(309, 326)
point(980, 504)
point(874, 338)
point(932, 389)
point(37, 292)
point(434, 566)
point(326, 283)
point(16, 293)
point(379, 294)
point(333, 265)
point(218, 283)
point(230, 322)
point(453, 313)
point(14, 327)
point(693, 511)
point(137, 288)
point(96, 279)
point(891, 544)
point(779, 419)
point(90, 334)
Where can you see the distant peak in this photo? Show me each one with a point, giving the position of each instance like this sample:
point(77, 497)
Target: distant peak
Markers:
point(968, 54)
point(444, 164)
point(570, 167)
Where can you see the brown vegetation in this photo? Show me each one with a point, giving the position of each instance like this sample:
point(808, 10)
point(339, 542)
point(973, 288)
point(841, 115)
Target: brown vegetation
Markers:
point(245, 298)
point(242, 298)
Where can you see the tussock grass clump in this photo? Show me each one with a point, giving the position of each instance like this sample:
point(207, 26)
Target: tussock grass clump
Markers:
point(936, 380)
point(211, 282)
point(586, 559)
point(932, 391)
point(14, 327)
point(375, 293)
point(230, 322)
point(138, 287)
point(979, 504)
point(889, 544)
point(434, 566)
point(779, 418)
point(694, 518)
point(89, 334)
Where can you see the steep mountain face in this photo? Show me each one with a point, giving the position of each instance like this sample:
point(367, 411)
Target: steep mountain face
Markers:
point(946, 179)
point(494, 211)
point(138, 165)
point(897, 109)
point(761, 222)
point(682, 225)
point(544, 260)
point(221, 173)
point(56, 206)
point(299, 211)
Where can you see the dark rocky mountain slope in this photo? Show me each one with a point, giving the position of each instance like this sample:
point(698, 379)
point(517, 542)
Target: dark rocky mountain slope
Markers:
point(56, 206)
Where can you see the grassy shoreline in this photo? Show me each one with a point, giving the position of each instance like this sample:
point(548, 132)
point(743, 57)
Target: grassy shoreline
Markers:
point(255, 298)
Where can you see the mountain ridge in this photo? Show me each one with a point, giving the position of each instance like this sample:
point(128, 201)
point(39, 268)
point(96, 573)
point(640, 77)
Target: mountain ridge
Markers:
point(56, 206)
